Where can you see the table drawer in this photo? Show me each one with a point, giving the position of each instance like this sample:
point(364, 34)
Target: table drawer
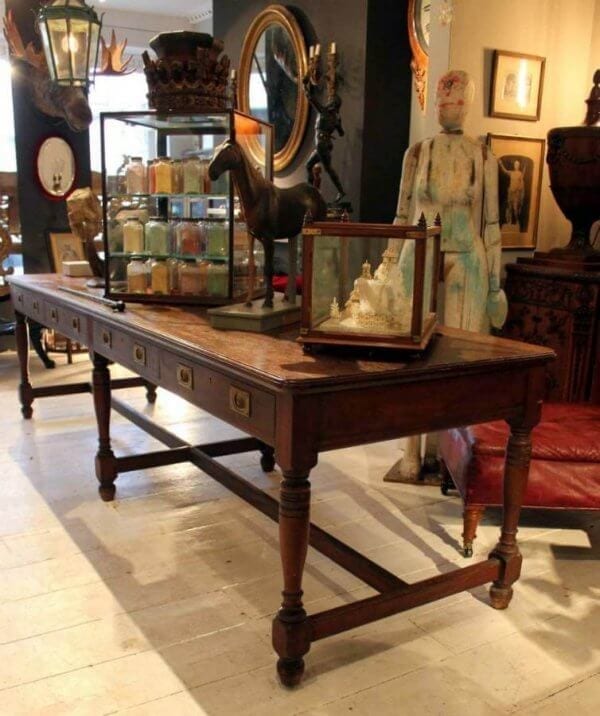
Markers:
point(127, 351)
point(18, 299)
point(34, 307)
point(248, 408)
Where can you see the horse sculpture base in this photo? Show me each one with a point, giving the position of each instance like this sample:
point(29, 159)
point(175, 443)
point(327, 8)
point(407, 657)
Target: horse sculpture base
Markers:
point(255, 318)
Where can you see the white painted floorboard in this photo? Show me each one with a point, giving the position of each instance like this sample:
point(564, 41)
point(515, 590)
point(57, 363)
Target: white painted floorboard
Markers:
point(161, 602)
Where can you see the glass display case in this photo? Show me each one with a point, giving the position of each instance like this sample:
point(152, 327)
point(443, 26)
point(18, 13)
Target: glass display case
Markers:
point(348, 301)
point(171, 234)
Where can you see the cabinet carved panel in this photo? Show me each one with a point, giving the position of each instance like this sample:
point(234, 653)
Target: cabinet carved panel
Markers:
point(559, 310)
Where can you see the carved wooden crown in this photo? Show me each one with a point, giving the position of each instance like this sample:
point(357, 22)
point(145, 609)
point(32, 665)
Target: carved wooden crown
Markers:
point(188, 74)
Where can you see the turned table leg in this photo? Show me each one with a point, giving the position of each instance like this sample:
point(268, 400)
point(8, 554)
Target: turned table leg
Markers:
point(25, 387)
point(471, 518)
point(291, 633)
point(516, 471)
point(106, 464)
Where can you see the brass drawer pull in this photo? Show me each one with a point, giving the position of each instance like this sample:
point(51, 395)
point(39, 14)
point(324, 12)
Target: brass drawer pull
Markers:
point(185, 377)
point(54, 314)
point(36, 306)
point(20, 298)
point(139, 354)
point(75, 323)
point(239, 401)
point(106, 338)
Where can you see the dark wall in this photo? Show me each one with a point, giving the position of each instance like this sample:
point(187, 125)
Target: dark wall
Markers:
point(372, 44)
point(38, 214)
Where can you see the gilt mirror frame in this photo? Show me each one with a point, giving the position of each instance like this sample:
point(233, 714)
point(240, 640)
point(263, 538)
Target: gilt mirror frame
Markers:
point(275, 14)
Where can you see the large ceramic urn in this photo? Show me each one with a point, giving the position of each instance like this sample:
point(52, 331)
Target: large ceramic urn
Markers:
point(574, 166)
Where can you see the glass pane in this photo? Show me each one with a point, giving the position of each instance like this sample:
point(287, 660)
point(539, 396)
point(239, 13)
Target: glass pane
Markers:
point(77, 42)
point(429, 277)
point(364, 299)
point(95, 30)
point(60, 48)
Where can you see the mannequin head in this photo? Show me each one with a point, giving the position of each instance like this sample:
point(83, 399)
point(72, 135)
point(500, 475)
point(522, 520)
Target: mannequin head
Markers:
point(454, 96)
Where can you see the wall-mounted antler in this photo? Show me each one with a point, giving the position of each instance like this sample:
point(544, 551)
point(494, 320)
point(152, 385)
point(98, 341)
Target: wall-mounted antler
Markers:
point(28, 54)
point(112, 61)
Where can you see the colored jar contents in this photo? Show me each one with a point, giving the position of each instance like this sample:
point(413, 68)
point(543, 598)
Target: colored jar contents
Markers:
point(152, 176)
point(159, 276)
point(192, 173)
point(190, 278)
point(217, 238)
point(173, 266)
point(218, 279)
point(157, 236)
point(177, 169)
point(115, 236)
point(163, 176)
point(135, 176)
point(133, 236)
point(189, 238)
point(137, 275)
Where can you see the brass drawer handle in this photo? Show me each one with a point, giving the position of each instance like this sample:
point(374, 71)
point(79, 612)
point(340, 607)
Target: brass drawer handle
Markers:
point(239, 401)
point(185, 377)
point(20, 298)
point(54, 314)
point(139, 354)
point(75, 323)
point(36, 306)
point(106, 338)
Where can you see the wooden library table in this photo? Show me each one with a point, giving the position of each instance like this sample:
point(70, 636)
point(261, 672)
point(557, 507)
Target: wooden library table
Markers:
point(293, 406)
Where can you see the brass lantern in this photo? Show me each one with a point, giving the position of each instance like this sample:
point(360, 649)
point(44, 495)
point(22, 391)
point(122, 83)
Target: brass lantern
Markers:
point(70, 32)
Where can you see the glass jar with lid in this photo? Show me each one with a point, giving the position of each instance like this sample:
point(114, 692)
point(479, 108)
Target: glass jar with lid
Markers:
point(151, 173)
point(135, 176)
point(137, 275)
point(189, 238)
point(218, 279)
point(133, 236)
point(192, 174)
point(217, 238)
point(159, 276)
point(190, 278)
point(157, 236)
point(163, 176)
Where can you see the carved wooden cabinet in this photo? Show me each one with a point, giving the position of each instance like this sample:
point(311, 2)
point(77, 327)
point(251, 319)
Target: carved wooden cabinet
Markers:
point(558, 309)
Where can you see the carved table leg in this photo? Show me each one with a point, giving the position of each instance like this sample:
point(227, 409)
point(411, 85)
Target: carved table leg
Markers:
point(291, 632)
point(106, 464)
point(150, 392)
point(471, 517)
point(516, 470)
point(25, 388)
point(267, 458)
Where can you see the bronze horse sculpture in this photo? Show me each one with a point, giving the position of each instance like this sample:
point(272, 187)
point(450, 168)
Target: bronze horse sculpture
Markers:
point(271, 213)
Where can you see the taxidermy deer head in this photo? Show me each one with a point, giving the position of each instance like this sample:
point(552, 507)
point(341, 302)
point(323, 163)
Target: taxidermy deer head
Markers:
point(111, 57)
point(68, 103)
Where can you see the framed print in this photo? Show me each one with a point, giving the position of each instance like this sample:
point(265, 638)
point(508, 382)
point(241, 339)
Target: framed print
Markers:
point(520, 168)
point(517, 84)
point(55, 168)
point(64, 246)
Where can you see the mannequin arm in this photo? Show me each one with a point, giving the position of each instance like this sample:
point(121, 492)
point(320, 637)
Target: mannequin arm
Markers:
point(407, 184)
point(491, 226)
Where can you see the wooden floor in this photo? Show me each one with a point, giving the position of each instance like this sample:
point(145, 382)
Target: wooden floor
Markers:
point(161, 602)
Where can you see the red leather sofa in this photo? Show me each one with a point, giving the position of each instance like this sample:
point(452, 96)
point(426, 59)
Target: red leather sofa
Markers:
point(564, 471)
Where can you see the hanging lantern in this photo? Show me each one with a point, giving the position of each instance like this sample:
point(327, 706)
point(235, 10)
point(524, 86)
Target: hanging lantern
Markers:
point(70, 32)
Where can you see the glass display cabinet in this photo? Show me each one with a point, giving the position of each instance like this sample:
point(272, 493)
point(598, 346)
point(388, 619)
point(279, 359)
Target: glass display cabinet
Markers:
point(348, 301)
point(172, 235)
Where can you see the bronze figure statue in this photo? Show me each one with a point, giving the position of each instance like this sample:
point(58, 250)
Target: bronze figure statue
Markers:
point(271, 213)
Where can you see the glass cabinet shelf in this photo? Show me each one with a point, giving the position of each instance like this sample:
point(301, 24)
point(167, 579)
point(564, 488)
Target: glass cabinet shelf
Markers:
point(176, 246)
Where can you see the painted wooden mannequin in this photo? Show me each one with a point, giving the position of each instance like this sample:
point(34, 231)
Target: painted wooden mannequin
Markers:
point(457, 177)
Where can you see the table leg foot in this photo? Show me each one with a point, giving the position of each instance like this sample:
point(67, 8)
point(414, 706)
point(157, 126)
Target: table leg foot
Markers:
point(500, 596)
point(150, 393)
point(25, 388)
point(267, 458)
point(291, 629)
point(106, 463)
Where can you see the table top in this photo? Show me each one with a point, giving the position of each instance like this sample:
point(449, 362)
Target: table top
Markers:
point(277, 359)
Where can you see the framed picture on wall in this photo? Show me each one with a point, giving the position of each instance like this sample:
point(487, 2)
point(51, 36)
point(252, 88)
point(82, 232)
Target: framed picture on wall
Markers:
point(520, 168)
point(517, 85)
point(63, 246)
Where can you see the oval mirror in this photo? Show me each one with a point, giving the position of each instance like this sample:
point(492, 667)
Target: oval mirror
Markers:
point(272, 65)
